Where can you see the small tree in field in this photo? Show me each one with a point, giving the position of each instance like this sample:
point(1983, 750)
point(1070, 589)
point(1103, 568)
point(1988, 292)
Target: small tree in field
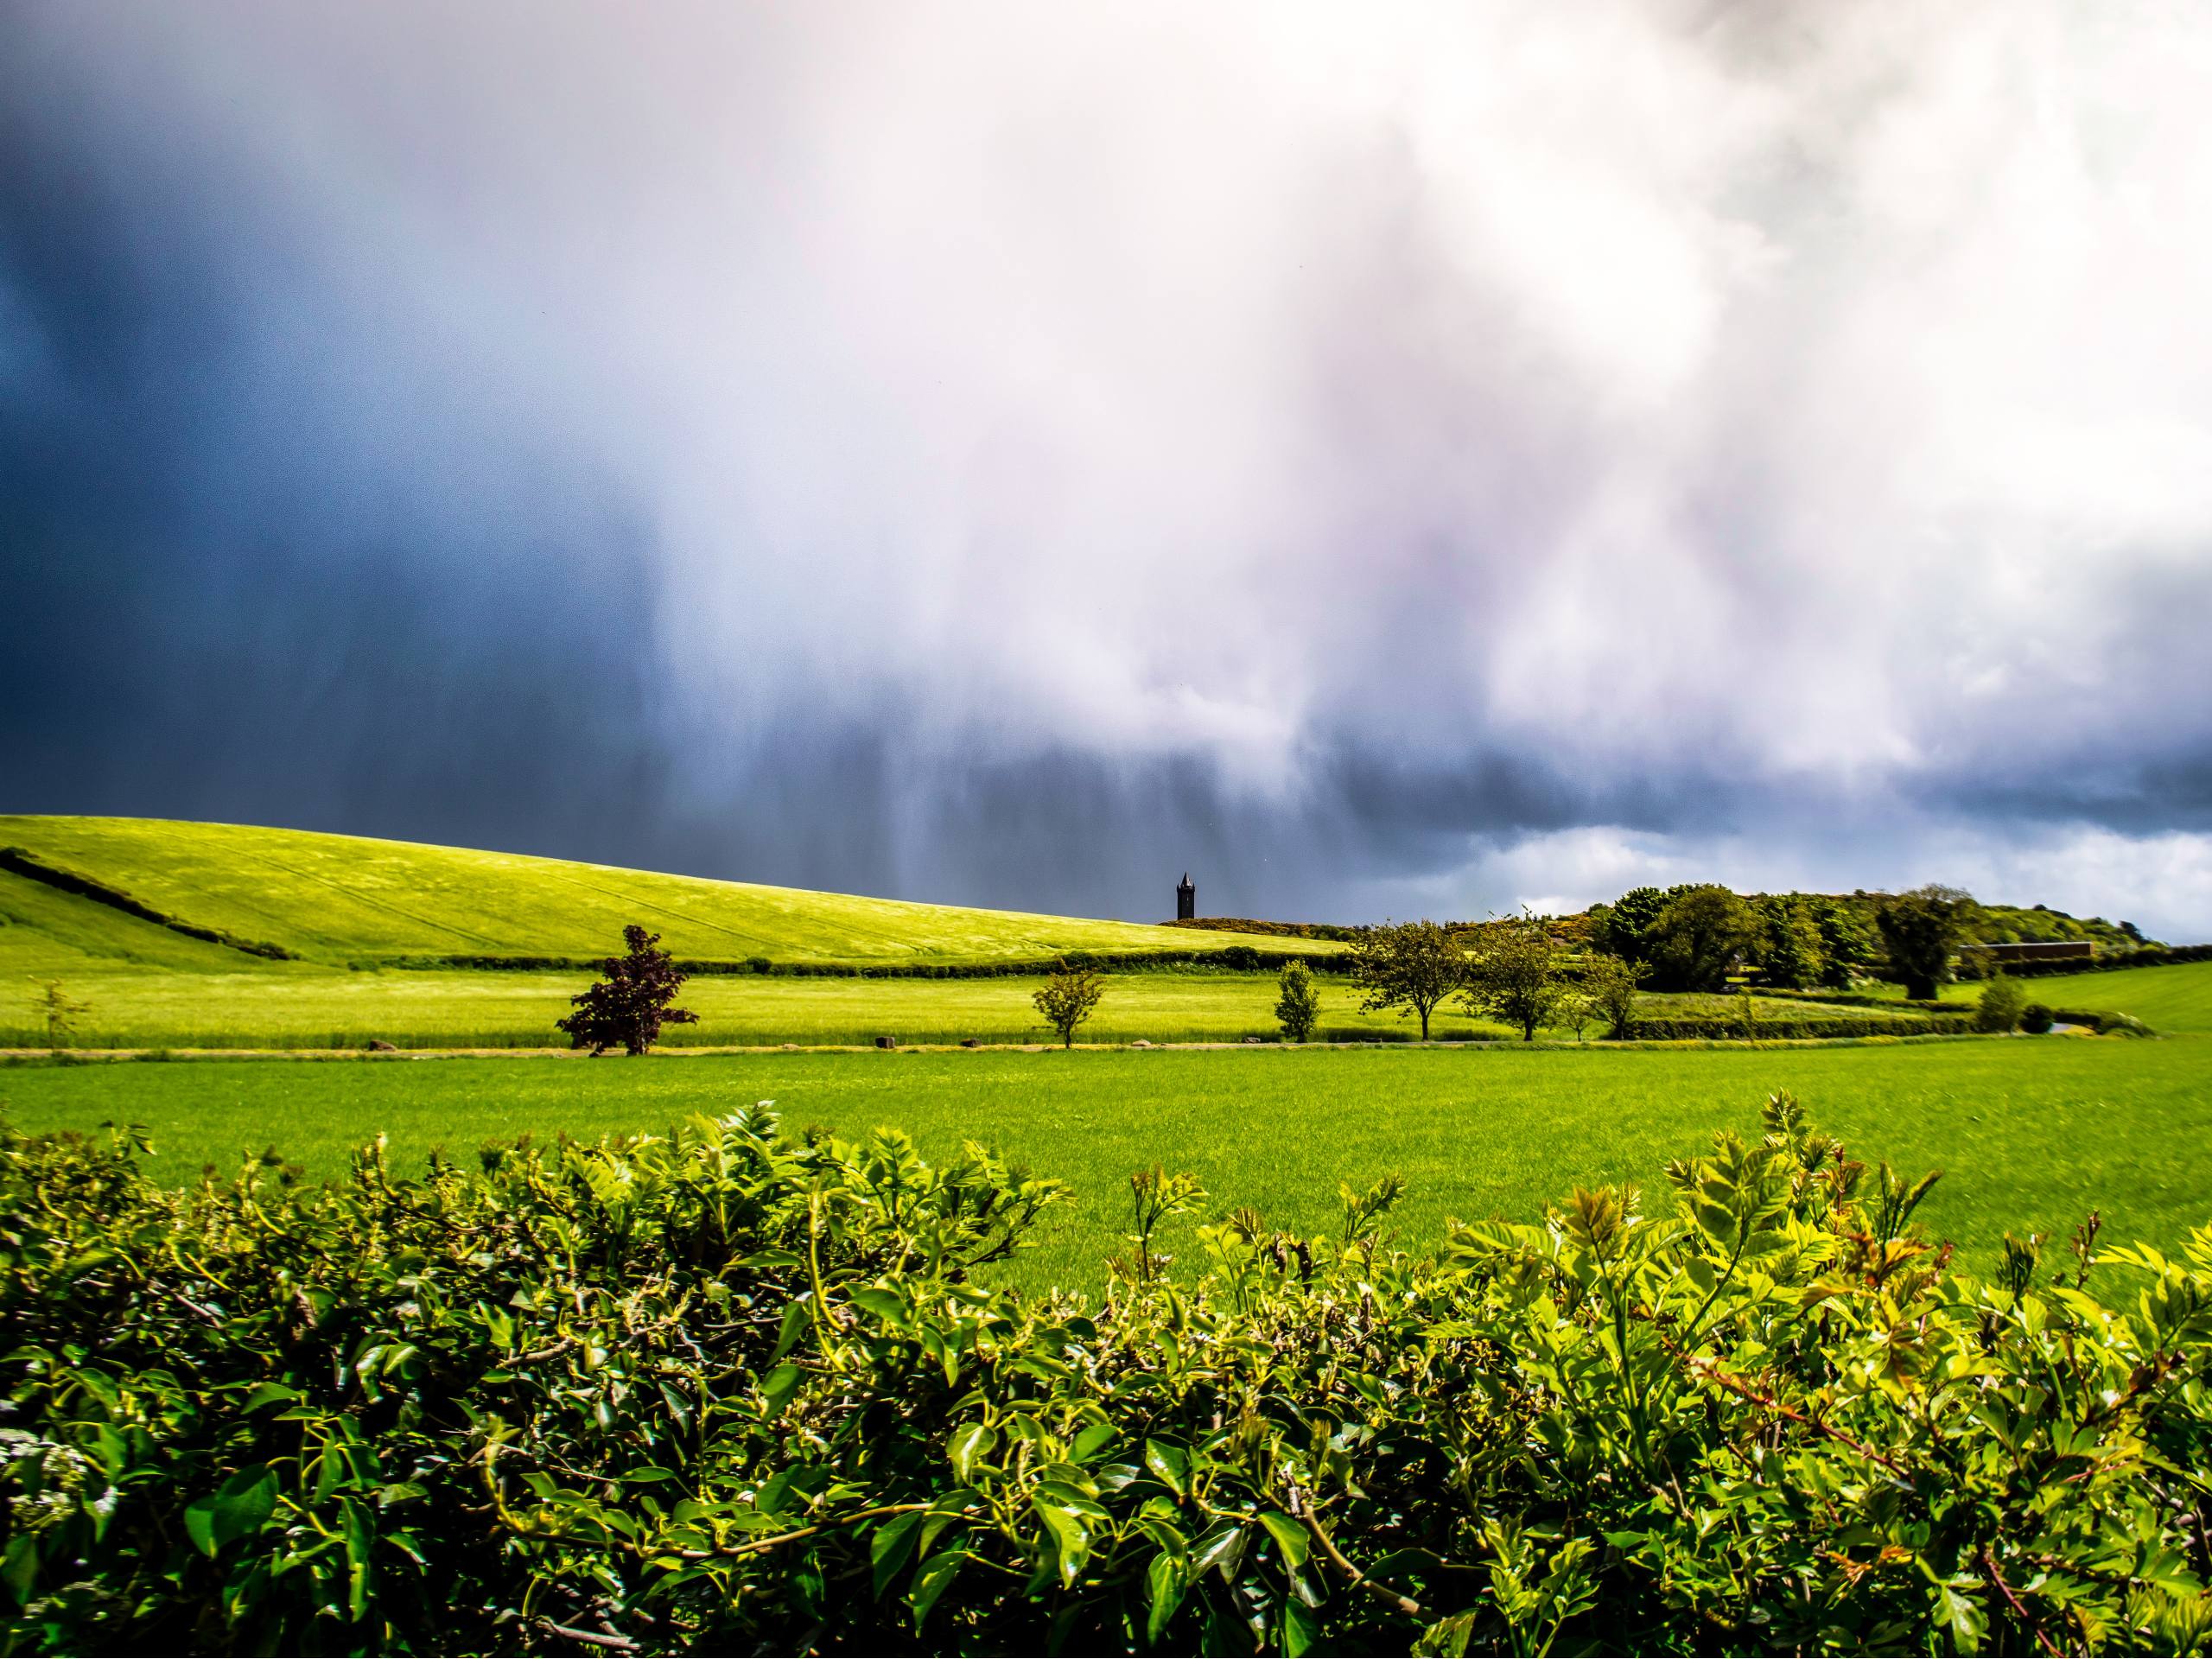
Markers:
point(1514, 977)
point(2003, 1001)
point(631, 1004)
point(1067, 998)
point(1610, 983)
point(1298, 1004)
point(1410, 966)
point(58, 1010)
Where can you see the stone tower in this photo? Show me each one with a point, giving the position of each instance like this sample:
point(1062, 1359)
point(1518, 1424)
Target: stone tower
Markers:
point(1186, 898)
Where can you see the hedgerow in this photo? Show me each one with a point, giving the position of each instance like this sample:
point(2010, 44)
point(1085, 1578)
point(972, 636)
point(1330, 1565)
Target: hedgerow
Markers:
point(720, 1389)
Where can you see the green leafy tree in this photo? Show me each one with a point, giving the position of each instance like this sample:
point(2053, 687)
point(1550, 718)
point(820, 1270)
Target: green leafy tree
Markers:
point(1610, 983)
point(1298, 1004)
point(1068, 999)
point(1409, 966)
point(1849, 941)
point(1620, 926)
point(1515, 974)
point(58, 1011)
point(1921, 929)
point(1694, 941)
point(627, 1006)
point(2004, 999)
point(1791, 953)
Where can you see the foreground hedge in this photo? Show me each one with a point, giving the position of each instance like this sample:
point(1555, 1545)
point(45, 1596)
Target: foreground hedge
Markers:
point(719, 1390)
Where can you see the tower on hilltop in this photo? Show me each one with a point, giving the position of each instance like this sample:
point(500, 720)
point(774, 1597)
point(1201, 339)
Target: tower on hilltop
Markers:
point(1186, 898)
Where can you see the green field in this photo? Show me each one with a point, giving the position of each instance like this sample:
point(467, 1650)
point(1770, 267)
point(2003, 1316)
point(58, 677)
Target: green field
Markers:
point(343, 901)
point(2034, 1132)
point(304, 1008)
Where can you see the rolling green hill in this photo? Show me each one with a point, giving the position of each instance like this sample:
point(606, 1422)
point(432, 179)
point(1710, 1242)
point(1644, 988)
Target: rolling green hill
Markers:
point(344, 900)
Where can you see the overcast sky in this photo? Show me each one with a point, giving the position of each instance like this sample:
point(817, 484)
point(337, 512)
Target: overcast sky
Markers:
point(1385, 461)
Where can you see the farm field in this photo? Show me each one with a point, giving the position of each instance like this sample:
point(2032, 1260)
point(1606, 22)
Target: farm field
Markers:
point(2175, 998)
point(348, 901)
point(317, 1009)
point(2032, 1132)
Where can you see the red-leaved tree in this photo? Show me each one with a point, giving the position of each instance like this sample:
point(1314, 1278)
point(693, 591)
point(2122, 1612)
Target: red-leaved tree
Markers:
point(631, 1004)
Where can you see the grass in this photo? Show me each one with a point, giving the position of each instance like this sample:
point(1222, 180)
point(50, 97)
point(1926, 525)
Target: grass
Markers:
point(343, 899)
point(2177, 997)
point(2034, 1133)
point(328, 1008)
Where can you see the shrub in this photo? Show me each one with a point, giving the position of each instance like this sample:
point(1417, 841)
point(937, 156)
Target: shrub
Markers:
point(718, 1390)
point(2003, 1002)
point(1243, 958)
point(2036, 1019)
point(1298, 1006)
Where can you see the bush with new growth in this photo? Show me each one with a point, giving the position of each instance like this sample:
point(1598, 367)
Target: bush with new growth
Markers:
point(718, 1390)
point(2003, 1002)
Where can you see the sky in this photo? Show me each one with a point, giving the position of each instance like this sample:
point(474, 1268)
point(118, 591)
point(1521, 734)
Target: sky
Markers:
point(1386, 461)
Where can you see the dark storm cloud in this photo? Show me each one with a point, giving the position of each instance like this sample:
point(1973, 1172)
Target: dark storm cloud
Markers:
point(1452, 459)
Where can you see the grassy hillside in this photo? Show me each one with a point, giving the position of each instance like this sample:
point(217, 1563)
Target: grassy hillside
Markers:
point(346, 900)
point(2032, 1134)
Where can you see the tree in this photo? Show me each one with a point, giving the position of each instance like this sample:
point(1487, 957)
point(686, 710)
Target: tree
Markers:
point(1298, 1004)
point(1610, 983)
point(58, 1010)
point(1848, 938)
point(631, 1004)
point(1791, 954)
point(1921, 929)
point(1515, 975)
point(2004, 999)
point(1410, 966)
point(1576, 1009)
point(1067, 998)
point(1619, 927)
point(1694, 941)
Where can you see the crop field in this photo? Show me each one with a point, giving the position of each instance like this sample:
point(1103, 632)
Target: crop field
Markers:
point(2032, 1132)
point(302, 1007)
point(344, 900)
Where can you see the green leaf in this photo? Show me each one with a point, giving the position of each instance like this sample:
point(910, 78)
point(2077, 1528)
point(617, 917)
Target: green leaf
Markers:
point(1071, 1539)
point(929, 1583)
point(19, 1566)
point(778, 1387)
point(1170, 1465)
point(1290, 1537)
point(886, 1304)
point(267, 1393)
point(795, 1322)
point(1166, 1585)
point(1224, 1548)
point(969, 1445)
point(1301, 1629)
point(360, 1545)
point(1092, 1441)
point(238, 1506)
point(891, 1549)
point(1962, 1616)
